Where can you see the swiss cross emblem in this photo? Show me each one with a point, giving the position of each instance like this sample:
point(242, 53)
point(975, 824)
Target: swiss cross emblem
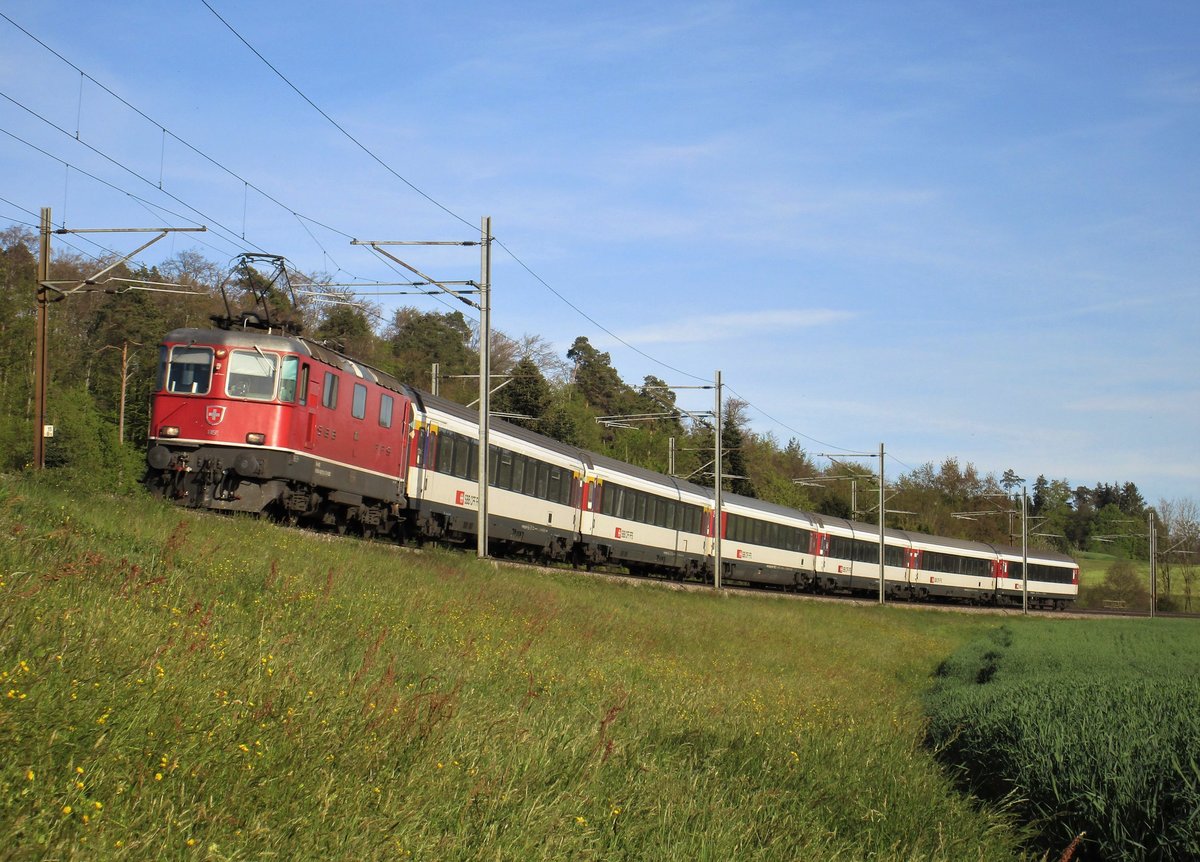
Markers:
point(214, 414)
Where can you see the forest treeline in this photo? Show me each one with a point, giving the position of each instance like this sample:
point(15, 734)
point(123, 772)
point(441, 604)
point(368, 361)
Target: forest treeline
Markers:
point(107, 335)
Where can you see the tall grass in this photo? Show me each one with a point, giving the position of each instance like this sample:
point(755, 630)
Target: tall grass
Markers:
point(186, 686)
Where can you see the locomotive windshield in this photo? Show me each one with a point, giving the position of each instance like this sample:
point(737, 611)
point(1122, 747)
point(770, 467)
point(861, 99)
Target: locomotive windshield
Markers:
point(252, 374)
point(185, 369)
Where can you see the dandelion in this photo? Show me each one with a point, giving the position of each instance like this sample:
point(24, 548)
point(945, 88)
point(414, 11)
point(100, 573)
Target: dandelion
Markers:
point(67, 809)
point(158, 776)
point(97, 805)
point(191, 842)
point(581, 821)
point(79, 770)
point(29, 775)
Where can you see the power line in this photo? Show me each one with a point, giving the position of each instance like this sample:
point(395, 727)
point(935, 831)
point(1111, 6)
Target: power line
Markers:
point(165, 131)
point(106, 183)
point(334, 122)
point(437, 203)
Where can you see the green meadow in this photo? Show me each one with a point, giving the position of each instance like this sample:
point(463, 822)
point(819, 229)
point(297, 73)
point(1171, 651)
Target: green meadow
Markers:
point(185, 686)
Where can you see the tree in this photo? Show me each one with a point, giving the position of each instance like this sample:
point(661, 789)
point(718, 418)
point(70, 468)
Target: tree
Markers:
point(596, 379)
point(417, 339)
point(345, 326)
point(526, 394)
point(1123, 585)
point(18, 268)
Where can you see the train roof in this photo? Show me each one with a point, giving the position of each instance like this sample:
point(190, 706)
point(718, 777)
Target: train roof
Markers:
point(1039, 555)
point(436, 402)
point(647, 475)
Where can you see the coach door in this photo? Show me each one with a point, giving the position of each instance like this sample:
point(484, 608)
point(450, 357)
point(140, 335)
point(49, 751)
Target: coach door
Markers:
point(912, 562)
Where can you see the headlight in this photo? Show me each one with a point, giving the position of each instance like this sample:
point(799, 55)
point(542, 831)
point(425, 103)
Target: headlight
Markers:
point(168, 431)
point(256, 439)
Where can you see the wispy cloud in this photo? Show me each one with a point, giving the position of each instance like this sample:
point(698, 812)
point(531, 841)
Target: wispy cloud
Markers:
point(717, 327)
point(1165, 403)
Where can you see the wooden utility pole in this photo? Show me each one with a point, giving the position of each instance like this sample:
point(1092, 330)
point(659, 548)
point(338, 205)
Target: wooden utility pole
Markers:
point(40, 364)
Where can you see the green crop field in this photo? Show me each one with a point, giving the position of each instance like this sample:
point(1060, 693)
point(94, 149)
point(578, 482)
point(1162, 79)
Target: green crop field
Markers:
point(185, 686)
point(1088, 729)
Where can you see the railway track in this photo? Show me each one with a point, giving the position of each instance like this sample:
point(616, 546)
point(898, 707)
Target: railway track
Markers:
point(624, 577)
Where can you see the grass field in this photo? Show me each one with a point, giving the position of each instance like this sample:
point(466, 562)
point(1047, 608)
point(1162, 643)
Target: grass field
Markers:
point(1093, 568)
point(194, 687)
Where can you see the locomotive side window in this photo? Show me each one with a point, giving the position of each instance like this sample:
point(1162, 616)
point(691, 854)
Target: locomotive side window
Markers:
point(287, 379)
point(329, 390)
point(189, 370)
point(386, 405)
point(304, 384)
point(358, 406)
point(251, 375)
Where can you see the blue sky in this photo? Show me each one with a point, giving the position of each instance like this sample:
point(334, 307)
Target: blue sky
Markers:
point(961, 229)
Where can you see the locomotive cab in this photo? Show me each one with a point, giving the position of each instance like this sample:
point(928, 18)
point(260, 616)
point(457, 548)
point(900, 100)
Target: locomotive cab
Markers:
point(252, 422)
point(221, 414)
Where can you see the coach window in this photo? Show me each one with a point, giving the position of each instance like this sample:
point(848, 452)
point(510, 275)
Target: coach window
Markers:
point(518, 473)
point(504, 472)
point(386, 405)
point(639, 513)
point(444, 459)
point(610, 499)
point(189, 370)
point(251, 374)
point(358, 407)
point(329, 392)
point(462, 457)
